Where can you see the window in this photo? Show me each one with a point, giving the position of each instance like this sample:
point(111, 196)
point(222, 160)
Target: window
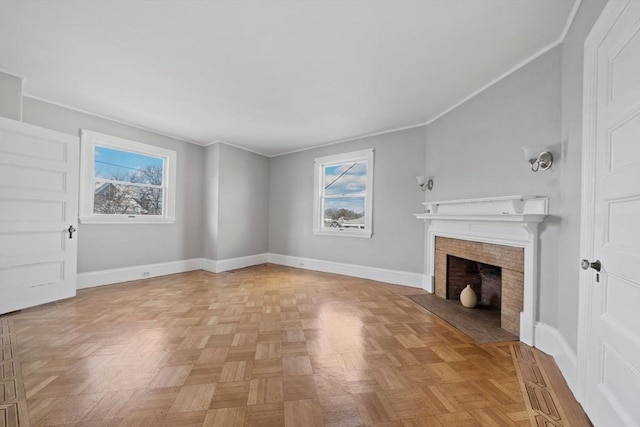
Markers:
point(125, 181)
point(343, 194)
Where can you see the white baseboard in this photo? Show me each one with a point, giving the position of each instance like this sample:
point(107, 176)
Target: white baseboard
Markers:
point(428, 283)
point(117, 275)
point(395, 277)
point(551, 341)
point(219, 266)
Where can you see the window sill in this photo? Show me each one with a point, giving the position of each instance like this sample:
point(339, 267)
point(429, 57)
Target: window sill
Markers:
point(126, 220)
point(343, 233)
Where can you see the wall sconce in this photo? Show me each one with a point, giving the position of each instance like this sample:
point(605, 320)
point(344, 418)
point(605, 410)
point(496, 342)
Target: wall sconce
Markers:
point(538, 156)
point(425, 183)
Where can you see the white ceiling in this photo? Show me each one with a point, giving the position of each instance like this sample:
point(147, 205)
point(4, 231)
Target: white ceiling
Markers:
point(271, 76)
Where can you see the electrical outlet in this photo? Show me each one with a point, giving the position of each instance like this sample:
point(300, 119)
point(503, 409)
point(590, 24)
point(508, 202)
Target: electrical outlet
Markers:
point(145, 274)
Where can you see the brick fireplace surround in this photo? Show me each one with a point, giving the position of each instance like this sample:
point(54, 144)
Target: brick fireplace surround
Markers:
point(503, 223)
point(510, 259)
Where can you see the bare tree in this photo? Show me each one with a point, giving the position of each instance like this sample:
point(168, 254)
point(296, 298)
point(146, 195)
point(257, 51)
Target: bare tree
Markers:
point(111, 198)
point(149, 198)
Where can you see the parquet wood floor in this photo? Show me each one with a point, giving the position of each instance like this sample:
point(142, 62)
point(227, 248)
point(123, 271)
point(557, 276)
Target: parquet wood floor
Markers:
point(262, 346)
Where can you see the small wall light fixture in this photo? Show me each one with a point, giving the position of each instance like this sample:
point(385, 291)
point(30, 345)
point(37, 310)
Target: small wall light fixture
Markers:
point(425, 183)
point(538, 156)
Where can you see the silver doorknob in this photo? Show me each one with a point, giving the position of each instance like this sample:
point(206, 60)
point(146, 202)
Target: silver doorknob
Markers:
point(585, 264)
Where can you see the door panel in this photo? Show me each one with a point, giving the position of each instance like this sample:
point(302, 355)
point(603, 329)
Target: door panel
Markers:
point(38, 203)
point(611, 355)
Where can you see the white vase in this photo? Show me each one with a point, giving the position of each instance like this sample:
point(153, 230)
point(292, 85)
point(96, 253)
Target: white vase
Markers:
point(468, 297)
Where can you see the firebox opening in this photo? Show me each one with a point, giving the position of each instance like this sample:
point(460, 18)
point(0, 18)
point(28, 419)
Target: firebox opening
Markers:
point(485, 280)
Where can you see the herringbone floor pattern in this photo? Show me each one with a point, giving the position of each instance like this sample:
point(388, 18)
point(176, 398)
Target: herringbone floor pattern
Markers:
point(263, 346)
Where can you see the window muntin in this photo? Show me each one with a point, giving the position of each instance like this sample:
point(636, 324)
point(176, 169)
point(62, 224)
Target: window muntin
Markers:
point(126, 181)
point(343, 188)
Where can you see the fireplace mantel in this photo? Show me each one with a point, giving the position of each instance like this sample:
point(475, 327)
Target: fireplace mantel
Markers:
point(496, 209)
point(505, 220)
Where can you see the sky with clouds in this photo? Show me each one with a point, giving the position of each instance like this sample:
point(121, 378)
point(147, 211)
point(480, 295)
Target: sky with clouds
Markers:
point(345, 179)
point(350, 178)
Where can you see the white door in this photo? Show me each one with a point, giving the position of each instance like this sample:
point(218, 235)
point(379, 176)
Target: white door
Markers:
point(609, 350)
point(38, 204)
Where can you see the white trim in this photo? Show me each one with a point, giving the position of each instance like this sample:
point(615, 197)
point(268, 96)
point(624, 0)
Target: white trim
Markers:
point(395, 277)
point(570, 19)
point(209, 265)
point(500, 204)
point(550, 340)
point(589, 91)
point(494, 81)
point(428, 283)
point(5, 71)
point(118, 275)
point(482, 217)
point(220, 266)
point(352, 138)
point(318, 193)
point(101, 116)
point(239, 147)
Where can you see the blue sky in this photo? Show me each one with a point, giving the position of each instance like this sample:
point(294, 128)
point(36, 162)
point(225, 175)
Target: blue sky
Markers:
point(111, 163)
point(354, 181)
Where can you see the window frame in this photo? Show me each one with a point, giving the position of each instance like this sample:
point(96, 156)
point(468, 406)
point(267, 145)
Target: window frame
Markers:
point(318, 194)
point(88, 141)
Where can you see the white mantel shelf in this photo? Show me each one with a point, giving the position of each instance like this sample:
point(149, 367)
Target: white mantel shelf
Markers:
point(516, 208)
point(482, 217)
point(502, 220)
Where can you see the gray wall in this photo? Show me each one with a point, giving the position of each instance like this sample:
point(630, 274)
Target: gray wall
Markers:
point(475, 151)
point(211, 200)
point(397, 241)
point(237, 198)
point(103, 247)
point(10, 96)
point(570, 169)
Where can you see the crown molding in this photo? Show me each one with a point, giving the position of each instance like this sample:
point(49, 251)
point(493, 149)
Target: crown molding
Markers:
point(122, 122)
point(5, 71)
point(239, 147)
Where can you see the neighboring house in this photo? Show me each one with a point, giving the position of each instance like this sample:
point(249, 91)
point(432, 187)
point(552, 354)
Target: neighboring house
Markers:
point(109, 198)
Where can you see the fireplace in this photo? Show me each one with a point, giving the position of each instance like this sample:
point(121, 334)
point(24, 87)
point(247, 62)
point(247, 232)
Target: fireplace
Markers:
point(484, 279)
point(495, 272)
point(501, 232)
